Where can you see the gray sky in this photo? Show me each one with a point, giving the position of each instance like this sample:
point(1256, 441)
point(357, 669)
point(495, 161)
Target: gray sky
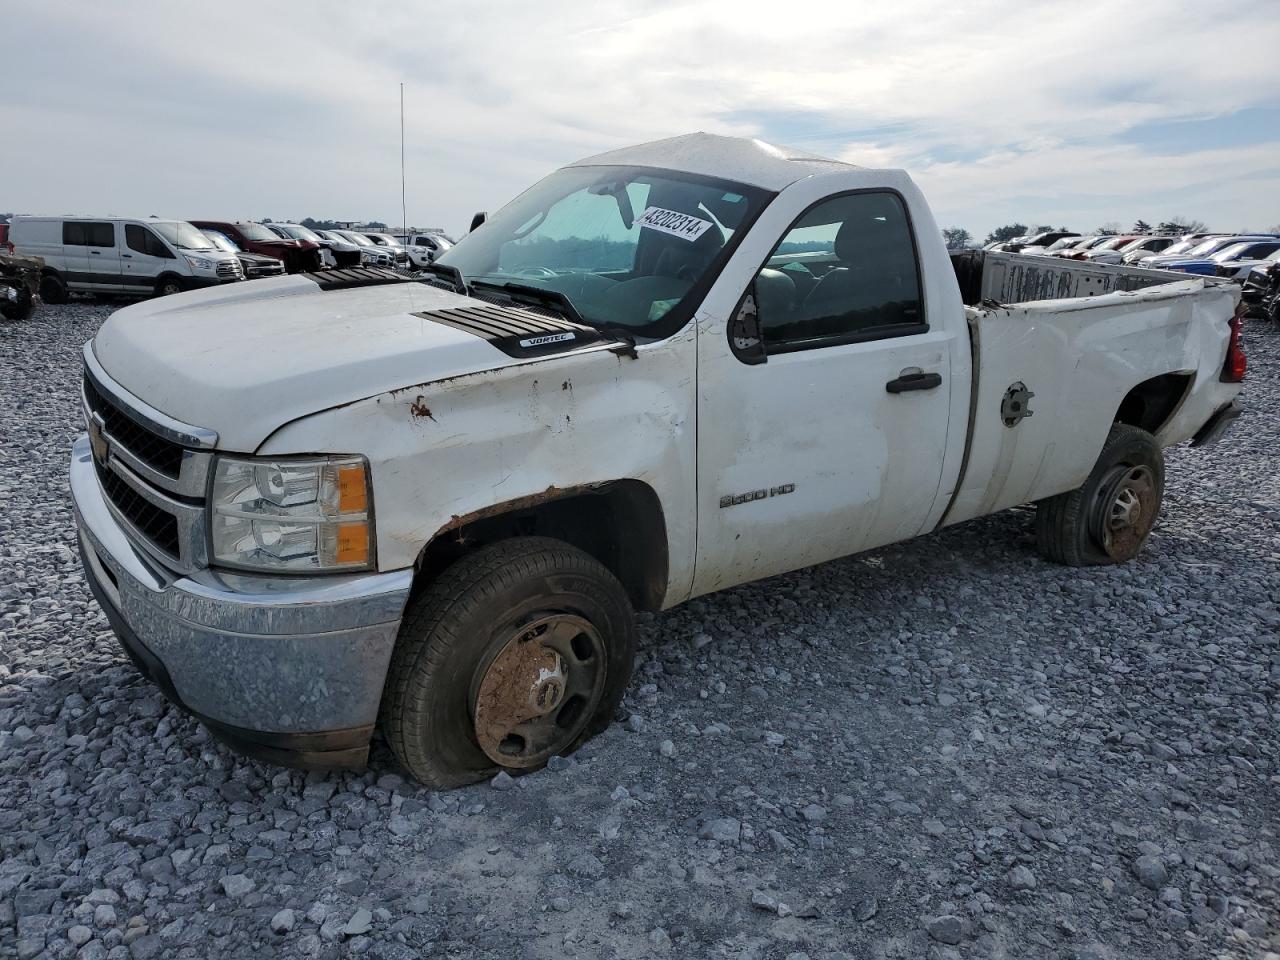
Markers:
point(1067, 113)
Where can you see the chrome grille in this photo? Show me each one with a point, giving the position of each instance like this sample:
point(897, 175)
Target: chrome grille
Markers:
point(153, 450)
point(152, 469)
point(228, 268)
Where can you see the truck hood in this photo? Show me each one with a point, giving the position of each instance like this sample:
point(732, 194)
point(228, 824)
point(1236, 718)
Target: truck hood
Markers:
point(246, 358)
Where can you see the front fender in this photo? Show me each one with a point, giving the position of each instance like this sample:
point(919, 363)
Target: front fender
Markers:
point(444, 450)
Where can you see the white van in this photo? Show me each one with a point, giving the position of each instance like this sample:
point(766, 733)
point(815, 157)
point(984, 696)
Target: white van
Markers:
point(87, 255)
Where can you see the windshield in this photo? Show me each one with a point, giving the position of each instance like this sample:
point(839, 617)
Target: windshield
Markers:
point(1230, 252)
point(1201, 249)
point(1063, 243)
point(382, 240)
point(298, 232)
point(182, 235)
point(358, 238)
point(628, 246)
point(256, 231)
point(221, 241)
point(1183, 246)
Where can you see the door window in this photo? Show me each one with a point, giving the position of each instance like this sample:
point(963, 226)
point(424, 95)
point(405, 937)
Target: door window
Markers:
point(142, 240)
point(101, 234)
point(75, 235)
point(846, 271)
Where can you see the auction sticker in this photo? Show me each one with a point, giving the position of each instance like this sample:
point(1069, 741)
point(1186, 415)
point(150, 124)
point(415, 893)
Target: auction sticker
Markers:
point(673, 222)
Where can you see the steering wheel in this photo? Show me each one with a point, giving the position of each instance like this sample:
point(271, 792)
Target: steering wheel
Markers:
point(535, 272)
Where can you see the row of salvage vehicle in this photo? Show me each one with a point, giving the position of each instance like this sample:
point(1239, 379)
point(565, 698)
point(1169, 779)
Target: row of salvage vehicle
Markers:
point(161, 257)
point(1227, 255)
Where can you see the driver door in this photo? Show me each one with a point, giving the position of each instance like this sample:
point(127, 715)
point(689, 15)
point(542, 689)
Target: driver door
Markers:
point(830, 438)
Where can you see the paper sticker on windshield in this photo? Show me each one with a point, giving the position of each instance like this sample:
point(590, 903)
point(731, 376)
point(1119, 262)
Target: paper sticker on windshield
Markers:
point(673, 222)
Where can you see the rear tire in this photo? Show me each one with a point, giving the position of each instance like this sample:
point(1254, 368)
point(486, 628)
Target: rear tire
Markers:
point(518, 652)
point(1108, 519)
point(52, 289)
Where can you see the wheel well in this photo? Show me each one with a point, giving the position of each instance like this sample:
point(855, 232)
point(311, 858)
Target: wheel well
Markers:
point(1151, 403)
point(619, 523)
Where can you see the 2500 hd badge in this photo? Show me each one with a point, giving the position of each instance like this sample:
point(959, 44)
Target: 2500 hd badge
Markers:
point(732, 500)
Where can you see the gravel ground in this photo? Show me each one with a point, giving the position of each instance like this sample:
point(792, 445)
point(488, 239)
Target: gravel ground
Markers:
point(948, 748)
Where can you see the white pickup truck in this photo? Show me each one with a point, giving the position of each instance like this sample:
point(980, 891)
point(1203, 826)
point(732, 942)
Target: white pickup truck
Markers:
point(315, 503)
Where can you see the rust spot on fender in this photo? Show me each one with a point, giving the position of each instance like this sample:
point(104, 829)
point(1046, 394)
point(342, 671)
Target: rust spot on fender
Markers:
point(519, 503)
point(418, 409)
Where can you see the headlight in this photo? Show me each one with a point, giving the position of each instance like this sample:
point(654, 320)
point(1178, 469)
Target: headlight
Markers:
point(292, 516)
point(200, 263)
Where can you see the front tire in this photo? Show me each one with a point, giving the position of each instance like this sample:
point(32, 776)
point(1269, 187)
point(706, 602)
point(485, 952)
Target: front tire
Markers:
point(1108, 519)
point(52, 289)
point(517, 653)
point(167, 286)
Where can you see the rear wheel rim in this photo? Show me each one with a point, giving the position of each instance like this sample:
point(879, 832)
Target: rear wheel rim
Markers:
point(1125, 510)
point(537, 695)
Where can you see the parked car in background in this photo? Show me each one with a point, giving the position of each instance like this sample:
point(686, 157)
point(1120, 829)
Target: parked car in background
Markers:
point(345, 252)
point(1261, 292)
point(1181, 245)
point(1038, 243)
point(92, 255)
point(296, 231)
point(1230, 256)
point(1239, 270)
point(398, 252)
point(298, 256)
point(1200, 251)
point(255, 265)
point(423, 248)
point(1056, 247)
point(1087, 243)
point(375, 255)
point(1105, 253)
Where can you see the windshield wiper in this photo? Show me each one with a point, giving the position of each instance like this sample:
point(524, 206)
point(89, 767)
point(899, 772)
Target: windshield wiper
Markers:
point(451, 273)
point(540, 295)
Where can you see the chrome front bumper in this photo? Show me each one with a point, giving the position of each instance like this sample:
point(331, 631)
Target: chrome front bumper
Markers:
point(287, 668)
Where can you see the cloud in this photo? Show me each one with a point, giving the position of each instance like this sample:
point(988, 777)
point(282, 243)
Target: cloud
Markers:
point(1002, 110)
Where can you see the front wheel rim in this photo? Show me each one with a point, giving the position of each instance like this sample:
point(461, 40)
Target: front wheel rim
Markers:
point(1125, 510)
point(537, 695)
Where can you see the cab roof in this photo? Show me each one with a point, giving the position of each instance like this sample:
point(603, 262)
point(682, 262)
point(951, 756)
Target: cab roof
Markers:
point(741, 159)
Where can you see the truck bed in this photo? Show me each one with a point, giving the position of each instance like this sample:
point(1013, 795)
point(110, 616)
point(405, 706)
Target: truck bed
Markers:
point(1080, 337)
point(1008, 278)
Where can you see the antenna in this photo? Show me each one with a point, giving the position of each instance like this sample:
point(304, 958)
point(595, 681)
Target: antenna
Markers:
point(404, 217)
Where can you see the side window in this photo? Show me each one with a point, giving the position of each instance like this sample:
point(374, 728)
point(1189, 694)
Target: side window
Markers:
point(141, 239)
point(75, 235)
point(135, 238)
point(101, 234)
point(845, 271)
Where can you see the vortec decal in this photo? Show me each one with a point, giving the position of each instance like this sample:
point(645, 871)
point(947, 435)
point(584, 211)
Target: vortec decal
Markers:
point(549, 338)
point(673, 222)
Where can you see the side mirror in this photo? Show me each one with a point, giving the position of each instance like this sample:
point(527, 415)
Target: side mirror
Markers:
point(478, 219)
point(746, 339)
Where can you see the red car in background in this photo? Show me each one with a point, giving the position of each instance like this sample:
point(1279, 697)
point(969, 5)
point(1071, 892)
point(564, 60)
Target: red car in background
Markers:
point(298, 255)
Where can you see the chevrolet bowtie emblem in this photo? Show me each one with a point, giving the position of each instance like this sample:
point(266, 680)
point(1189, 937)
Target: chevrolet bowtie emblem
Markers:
point(98, 439)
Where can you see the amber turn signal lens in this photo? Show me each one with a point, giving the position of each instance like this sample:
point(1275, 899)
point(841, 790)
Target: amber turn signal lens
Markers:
point(353, 543)
point(353, 493)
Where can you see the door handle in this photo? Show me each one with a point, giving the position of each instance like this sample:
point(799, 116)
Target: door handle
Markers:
point(914, 381)
point(127, 256)
point(96, 253)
